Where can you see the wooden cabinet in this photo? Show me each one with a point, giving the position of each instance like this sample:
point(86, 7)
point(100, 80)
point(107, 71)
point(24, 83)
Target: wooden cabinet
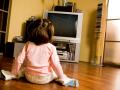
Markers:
point(112, 53)
point(4, 7)
point(112, 40)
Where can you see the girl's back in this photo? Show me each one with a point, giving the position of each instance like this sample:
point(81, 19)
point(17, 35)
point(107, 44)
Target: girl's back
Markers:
point(38, 58)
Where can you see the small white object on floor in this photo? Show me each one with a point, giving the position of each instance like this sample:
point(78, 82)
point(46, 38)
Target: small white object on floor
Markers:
point(8, 75)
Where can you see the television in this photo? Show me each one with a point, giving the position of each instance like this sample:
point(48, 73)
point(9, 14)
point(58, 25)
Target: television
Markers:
point(68, 25)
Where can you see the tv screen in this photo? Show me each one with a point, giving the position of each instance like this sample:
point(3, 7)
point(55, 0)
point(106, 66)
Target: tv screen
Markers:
point(65, 24)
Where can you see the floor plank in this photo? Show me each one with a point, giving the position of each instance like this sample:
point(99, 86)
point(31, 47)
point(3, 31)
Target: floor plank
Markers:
point(90, 77)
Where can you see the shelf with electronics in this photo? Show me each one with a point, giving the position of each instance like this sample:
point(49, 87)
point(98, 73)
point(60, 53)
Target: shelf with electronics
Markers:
point(67, 51)
point(67, 21)
point(67, 37)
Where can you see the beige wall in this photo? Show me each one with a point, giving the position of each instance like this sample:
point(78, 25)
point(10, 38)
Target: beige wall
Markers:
point(21, 10)
point(88, 7)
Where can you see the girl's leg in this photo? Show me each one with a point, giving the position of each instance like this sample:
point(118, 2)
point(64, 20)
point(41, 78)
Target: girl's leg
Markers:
point(41, 79)
point(7, 75)
point(21, 73)
point(68, 82)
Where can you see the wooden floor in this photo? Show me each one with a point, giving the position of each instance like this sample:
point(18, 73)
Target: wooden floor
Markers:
point(90, 77)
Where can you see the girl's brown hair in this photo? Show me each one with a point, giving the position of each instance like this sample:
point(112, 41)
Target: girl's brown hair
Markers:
point(43, 32)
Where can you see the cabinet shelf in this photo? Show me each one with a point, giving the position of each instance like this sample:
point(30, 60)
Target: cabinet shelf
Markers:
point(3, 11)
point(67, 51)
point(4, 7)
point(98, 18)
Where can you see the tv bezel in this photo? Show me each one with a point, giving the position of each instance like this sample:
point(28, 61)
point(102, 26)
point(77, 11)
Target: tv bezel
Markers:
point(78, 27)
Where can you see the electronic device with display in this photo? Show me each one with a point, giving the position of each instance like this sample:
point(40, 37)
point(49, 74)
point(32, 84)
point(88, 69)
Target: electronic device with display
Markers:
point(68, 25)
point(67, 34)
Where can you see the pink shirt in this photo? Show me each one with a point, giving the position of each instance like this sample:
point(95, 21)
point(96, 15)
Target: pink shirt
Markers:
point(38, 60)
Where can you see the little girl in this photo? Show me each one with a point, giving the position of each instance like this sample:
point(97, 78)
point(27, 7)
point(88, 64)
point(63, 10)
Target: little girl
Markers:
point(39, 60)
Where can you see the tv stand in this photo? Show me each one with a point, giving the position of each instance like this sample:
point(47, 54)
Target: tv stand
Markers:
point(67, 51)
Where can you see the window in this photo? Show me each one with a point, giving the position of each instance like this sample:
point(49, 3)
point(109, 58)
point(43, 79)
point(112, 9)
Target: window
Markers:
point(4, 5)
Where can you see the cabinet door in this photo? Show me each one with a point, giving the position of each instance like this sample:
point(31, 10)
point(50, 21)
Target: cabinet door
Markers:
point(112, 52)
point(112, 40)
point(113, 30)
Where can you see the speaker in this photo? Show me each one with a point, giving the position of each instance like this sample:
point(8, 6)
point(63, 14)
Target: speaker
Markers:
point(64, 8)
point(9, 49)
